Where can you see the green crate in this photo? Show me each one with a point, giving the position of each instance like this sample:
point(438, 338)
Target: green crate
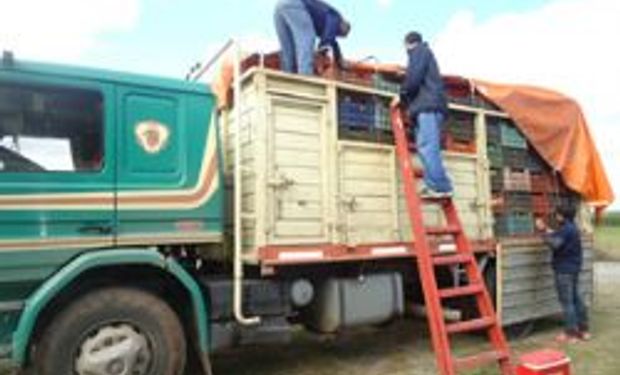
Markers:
point(514, 224)
point(512, 137)
point(496, 155)
point(383, 120)
point(379, 82)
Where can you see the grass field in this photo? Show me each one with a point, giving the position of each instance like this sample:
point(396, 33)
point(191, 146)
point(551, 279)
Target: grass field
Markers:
point(607, 237)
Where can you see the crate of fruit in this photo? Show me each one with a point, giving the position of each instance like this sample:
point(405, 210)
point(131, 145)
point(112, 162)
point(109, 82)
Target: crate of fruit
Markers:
point(517, 180)
point(512, 137)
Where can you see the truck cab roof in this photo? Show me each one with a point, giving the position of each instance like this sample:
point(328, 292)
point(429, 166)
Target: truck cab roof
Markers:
point(103, 75)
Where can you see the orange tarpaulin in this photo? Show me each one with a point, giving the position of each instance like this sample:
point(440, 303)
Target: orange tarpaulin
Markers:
point(557, 128)
point(553, 123)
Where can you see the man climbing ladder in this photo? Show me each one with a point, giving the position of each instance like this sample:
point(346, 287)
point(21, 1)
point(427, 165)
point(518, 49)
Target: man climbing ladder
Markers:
point(428, 260)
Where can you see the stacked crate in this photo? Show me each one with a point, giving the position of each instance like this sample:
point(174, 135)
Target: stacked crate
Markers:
point(356, 112)
point(510, 179)
point(460, 132)
point(523, 186)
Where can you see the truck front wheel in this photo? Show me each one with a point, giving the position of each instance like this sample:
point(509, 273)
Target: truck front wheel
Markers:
point(113, 331)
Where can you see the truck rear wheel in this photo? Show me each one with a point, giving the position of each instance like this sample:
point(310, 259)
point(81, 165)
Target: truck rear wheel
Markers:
point(113, 331)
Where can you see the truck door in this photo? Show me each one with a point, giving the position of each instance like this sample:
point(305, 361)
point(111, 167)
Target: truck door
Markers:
point(56, 163)
point(297, 171)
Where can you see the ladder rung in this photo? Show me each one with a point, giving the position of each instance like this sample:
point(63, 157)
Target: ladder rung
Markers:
point(437, 200)
point(478, 360)
point(439, 231)
point(449, 260)
point(471, 325)
point(468, 290)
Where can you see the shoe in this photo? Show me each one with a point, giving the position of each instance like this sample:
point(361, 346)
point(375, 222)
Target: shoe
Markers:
point(427, 192)
point(565, 338)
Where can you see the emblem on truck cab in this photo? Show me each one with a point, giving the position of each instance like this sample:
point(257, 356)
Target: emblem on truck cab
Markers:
point(152, 136)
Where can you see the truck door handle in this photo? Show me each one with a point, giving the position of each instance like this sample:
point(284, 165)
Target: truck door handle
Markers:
point(96, 229)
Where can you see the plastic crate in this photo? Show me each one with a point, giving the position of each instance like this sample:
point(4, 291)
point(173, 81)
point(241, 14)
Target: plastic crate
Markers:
point(534, 162)
point(497, 179)
point(514, 224)
point(459, 145)
point(494, 132)
point(357, 77)
point(495, 155)
point(517, 202)
point(541, 183)
point(384, 83)
point(512, 137)
point(356, 112)
point(541, 204)
point(515, 157)
point(461, 126)
point(517, 180)
point(383, 119)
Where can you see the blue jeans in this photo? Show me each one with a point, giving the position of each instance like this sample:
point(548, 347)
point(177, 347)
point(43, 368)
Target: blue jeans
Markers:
point(297, 36)
point(575, 311)
point(428, 142)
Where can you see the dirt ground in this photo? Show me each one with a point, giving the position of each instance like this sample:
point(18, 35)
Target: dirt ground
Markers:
point(404, 347)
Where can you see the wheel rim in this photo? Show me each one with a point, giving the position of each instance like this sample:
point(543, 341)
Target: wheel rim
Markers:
point(114, 350)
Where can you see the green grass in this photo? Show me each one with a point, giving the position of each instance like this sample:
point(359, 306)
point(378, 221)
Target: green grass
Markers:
point(607, 237)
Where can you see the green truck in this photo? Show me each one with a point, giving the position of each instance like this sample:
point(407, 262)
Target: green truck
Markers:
point(127, 245)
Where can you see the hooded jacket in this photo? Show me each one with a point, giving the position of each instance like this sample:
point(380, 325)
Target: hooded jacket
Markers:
point(423, 88)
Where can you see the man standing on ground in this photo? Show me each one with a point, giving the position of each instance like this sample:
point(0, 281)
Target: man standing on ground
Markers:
point(424, 99)
point(298, 23)
point(567, 260)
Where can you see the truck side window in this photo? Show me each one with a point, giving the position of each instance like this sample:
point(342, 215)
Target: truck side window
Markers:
point(50, 129)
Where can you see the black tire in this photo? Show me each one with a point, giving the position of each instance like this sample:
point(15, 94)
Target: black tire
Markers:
point(157, 325)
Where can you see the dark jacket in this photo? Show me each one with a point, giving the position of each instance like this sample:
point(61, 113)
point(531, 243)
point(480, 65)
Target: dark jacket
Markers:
point(567, 251)
point(326, 22)
point(423, 88)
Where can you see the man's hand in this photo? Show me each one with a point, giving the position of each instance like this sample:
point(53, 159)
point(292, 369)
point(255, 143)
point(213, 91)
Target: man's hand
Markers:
point(541, 225)
point(395, 102)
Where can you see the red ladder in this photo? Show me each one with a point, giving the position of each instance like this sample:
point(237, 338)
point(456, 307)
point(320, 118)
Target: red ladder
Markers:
point(427, 262)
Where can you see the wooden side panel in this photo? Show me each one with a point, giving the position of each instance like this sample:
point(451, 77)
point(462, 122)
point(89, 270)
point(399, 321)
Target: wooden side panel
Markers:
point(463, 170)
point(367, 193)
point(297, 177)
point(527, 288)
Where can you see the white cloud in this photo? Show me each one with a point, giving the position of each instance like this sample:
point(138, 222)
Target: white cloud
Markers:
point(385, 3)
point(62, 30)
point(566, 45)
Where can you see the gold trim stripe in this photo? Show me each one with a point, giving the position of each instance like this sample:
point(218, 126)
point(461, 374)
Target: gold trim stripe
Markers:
point(97, 242)
point(194, 197)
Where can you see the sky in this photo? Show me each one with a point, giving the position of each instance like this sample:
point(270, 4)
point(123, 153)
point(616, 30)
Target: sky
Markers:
point(566, 45)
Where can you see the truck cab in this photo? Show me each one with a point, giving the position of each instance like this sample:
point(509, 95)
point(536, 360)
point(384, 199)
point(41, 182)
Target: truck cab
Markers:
point(101, 165)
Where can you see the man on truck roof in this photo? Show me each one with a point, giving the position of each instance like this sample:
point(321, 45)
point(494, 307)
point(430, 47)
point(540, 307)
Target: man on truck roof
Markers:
point(423, 97)
point(298, 23)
